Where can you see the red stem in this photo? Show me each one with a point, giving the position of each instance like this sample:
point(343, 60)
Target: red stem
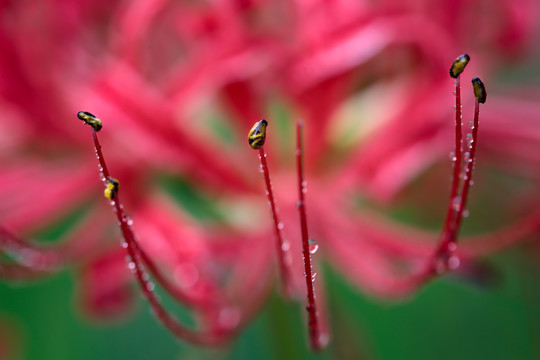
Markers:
point(468, 173)
point(134, 251)
point(161, 279)
point(282, 248)
point(451, 211)
point(314, 330)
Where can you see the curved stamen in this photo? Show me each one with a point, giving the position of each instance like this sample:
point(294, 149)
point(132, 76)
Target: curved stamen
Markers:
point(256, 139)
point(138, 257)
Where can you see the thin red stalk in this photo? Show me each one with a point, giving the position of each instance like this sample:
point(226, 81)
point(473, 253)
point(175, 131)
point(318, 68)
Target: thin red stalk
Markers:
point(134, 252)
point(468, 173)
point(313, 321)
point(99, 154)
point(282, 248)
point(161, 279)
point(451, 211)
point(147, 288)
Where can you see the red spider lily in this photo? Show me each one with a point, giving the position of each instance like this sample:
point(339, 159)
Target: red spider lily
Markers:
point(165, 75)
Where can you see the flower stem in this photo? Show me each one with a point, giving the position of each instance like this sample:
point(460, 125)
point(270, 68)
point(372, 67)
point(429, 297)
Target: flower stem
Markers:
point(315, 337)
point(468, 172)
point(282, 245)
point(135, 265)
point(449, 222)
point(444, 258)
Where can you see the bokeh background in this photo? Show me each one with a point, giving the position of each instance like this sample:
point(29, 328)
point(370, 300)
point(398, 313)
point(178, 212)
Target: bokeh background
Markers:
point(179, 83)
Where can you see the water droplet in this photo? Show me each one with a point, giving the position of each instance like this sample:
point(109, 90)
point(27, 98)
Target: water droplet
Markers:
point(124, 244)
point(112, 203)
point(452, 156)
point(452, 247)
point(150, 286)
point(280, 226)
point(131, 266)
point(229, 317)
point(465, 213)
point(313, 276)
point(285, 246)
point(456, 203)
point(324, 339)
point(453, 262)
point(299, 203)
point(313, 246)
point(471, 124)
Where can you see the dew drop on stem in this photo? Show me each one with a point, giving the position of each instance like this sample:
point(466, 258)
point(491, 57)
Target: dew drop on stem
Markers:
point(456, 202)
point(313, 246)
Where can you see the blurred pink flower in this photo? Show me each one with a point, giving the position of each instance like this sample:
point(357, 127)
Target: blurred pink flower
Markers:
point(179, 84)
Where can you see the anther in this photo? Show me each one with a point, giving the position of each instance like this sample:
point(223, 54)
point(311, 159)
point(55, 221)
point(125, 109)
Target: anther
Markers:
point(257, 135)
point(459, 65)
point(90, 119)
point(479, 90)
point(112, 188)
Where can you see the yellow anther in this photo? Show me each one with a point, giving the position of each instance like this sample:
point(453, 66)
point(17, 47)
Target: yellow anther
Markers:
point(257, 134)
point(112, 188)
point(459, 65)
point(90, 119)
point(479, 90)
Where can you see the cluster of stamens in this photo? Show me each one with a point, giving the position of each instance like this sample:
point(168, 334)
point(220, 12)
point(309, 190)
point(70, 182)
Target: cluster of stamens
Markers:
point(443, 259)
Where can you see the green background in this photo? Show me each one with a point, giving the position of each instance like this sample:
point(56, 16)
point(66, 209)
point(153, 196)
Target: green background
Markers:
point(447, 319)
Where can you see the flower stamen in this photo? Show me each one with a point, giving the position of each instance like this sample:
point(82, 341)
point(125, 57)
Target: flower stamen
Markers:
point(444, 256)
point(256, 139)
point(138, 259)
point(315, 335)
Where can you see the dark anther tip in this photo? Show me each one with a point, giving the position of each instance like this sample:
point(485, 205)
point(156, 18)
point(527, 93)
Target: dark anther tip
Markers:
point(257, 134)
point(479, 90)
point(83, 115)
point(458, 66)
point(90, 119)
